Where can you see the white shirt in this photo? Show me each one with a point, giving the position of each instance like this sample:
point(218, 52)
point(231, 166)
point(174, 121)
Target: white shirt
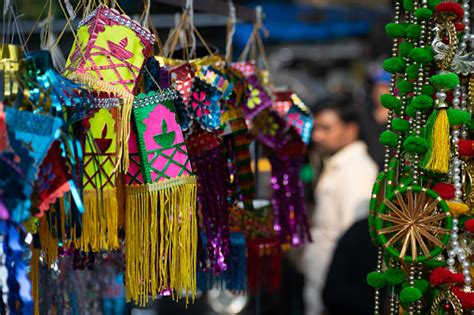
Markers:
point(342, 198)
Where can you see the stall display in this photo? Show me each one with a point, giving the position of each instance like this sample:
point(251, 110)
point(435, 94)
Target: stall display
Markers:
point(135, 170)
point(420, 212)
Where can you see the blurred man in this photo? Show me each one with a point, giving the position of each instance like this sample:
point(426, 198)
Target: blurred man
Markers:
point(342, 192)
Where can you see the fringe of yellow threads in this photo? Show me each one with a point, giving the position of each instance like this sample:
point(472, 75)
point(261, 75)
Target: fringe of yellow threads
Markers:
point(440, 150)
point(123, 134)
point(99, 221)
point(161, 239)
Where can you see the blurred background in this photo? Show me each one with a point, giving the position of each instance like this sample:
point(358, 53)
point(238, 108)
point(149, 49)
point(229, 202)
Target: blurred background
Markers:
point(318, 48)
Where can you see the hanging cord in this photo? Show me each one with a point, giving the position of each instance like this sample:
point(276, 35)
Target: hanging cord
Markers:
point(147, 14)
point(231, 21)
point(185, 33)
point(190, 10)
point(34, 26)
point(254, 44)
point(11, 23)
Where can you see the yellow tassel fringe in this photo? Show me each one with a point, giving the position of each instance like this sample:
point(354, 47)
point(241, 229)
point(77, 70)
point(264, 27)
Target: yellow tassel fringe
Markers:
point(99, 221)
point(123, 134)
point(440, 151)
point(161, 239)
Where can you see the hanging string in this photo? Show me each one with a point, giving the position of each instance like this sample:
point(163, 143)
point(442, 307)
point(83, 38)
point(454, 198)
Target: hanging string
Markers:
point(35, 25)
point(147, 14)
point(13, 26)
point(231, 21)
point(254, 43)
point(190, 10)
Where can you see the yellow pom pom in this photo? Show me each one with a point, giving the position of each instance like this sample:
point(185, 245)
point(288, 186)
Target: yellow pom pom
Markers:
point(457, 208)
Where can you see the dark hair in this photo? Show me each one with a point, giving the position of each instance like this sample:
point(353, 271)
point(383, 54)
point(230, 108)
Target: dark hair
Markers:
point(342, 104)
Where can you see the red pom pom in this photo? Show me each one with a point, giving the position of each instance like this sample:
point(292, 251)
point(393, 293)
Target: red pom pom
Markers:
point(466, 147)
point(459, 26)
point(469, 225)
point(466, 298)
point(446, 191)
point(442, 275)
point(451, 7)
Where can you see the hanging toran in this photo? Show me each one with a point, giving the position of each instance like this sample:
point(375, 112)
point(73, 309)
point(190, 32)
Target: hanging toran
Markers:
point(420, 211)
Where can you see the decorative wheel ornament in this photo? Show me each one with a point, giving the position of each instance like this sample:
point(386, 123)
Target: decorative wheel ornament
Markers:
point(413, 223)
point(446, 300)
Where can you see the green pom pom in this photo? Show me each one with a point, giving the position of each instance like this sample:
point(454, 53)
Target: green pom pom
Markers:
point(389, 101)
point(458, 116)
point(412, 71)
point(405, 49)
point(376, 279)
point(401, 125)
point(423, 13)
point(415, 144)
point(413, 31)
point(408, 5)
point(395, 30)
point(394, 65)
point(422, 102)
point(410, 295)
point(423, 55)
point(433, 3)
point(394, 276)
point(405, 87)
point(427, 90)
point(389, 138)
point(420, 284)
point(445, 81)
point(410, 111)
